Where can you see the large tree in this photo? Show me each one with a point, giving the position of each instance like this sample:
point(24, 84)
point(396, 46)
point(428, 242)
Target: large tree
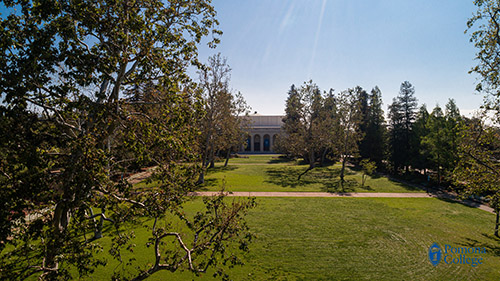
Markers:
point(402, 114)
point(91, 90)
point(477, 170)
point(348, 133)
point(436, 141)
point(303, 131)
point(485, 34)
point(222, 126)
point(421, 130)
point(372, 145)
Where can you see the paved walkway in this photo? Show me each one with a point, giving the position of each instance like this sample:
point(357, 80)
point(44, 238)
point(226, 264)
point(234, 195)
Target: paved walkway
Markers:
point(441, 195)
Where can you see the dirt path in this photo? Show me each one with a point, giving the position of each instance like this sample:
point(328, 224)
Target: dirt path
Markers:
point(440, 195)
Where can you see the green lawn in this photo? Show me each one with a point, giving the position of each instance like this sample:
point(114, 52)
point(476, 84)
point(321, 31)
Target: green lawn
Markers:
point(271, 173)
point(356, 239)
point(336, 238)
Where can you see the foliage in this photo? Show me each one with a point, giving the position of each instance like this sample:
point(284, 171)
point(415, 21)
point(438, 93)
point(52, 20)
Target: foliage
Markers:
point(92, 90)
point(373, 143)
point(484, 27)
point(402, 114)
point(478, 169)
point(348, 134)
point(316, 124)
point(439, 142)
point(368, 167)
point(304, 133)
point(421, 131)
point(222, 124)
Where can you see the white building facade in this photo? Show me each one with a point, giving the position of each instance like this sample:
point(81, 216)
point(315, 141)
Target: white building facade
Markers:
point(262, 133)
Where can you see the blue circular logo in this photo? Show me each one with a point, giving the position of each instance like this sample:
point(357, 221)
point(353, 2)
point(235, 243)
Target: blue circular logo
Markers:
point(435, 254)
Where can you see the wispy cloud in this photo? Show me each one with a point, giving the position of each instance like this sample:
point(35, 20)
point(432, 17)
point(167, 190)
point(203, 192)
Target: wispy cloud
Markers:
point(316, 39)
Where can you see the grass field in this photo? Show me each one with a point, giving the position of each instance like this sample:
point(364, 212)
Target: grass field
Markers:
point(271, 173)
point(356, 239)
point(336, 238)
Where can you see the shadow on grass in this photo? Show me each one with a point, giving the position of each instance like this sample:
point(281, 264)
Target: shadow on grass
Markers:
point(208, 183)
point(466, 203)
point(402, 184)
point(492, 246)
point(220, 169)
point(327, 178)
point(285, 177)
point(280, 160)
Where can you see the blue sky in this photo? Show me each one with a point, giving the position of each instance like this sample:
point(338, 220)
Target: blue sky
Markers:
point(339, 44)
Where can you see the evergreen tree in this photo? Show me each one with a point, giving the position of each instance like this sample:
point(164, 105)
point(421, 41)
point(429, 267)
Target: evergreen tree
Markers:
point(363, 99)
point(402, 114)
point(435, 141)
point(303, 125)
point(372, 145)
point(421, 130)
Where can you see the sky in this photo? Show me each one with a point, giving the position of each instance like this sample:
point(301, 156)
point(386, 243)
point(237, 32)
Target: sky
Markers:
point(340, 44)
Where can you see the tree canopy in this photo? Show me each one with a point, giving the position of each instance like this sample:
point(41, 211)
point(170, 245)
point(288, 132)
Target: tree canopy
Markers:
point(93, 91)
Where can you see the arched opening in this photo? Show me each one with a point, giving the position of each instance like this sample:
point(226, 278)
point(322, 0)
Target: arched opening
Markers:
point(248, 145)
point(256, 143)
point(267, 143)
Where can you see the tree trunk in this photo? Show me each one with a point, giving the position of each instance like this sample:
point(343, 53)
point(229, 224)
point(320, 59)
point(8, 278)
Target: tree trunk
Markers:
point(311, 164)
point(439, 172)
point(497, 223)
point(228, 154)
point(98, 230)
point(201, 178)
point(204, 161)
point(342, 170)
point(60, 223)
point(323, 156)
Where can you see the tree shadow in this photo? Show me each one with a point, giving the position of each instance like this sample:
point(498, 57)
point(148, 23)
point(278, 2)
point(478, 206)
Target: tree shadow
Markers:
point(327, 178)
point(220, 169)
point(404, 184)
point(285, 177)
point(492, 246)
point(448, 198)
point(208, 183)
point(280, 160)
point(336, 185)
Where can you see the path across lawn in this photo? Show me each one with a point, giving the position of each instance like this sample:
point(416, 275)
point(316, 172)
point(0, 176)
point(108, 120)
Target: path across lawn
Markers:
point(440, 195)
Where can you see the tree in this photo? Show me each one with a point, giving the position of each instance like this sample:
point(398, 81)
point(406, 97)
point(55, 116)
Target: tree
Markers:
point(221, 125)
point(436, 140)
point(364, 108)
point(91, 90)
point(237, 126)
point(421, 130)
point(402, 114)
point(478, 170)
point(303, 124)
point(373, 145)
point(368, 167)
point(486, 38)
point(453, 123)
point(348, 134)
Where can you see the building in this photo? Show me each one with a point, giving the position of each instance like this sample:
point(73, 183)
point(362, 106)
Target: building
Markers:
point(262, 133)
